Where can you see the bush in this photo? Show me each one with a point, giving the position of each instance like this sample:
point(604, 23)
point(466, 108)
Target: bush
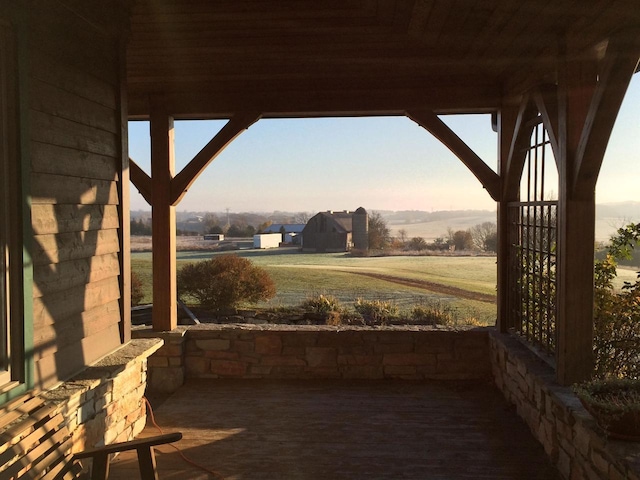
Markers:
point(137, 290)
point(433, 314)
point(322, 304)
point(225, 282)
point(376, 311)
point(617, 314)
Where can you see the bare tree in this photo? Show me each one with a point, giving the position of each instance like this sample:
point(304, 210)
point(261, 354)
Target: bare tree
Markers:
point(379, 233)
point(302, 217)
point(485, 236)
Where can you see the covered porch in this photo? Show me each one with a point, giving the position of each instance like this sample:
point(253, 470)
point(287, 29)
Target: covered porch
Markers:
point(337, 429)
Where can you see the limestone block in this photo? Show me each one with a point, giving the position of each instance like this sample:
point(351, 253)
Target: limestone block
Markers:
point(213, 344)
point(196, 366)
point(268, 344)
point(409, 359)
point(355, 359)
point(278, 360)
point(321, 356)
point(228, 368)
point(166, 380)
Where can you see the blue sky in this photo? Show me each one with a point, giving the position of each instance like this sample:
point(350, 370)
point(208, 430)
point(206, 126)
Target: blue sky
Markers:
point(381, 163)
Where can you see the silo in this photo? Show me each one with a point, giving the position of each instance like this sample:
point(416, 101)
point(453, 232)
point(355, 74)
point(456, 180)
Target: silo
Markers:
point(360, 227)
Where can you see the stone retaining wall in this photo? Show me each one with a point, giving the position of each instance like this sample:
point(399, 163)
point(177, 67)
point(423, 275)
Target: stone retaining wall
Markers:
point(556, 417)
point(303, 352)
point(104, 404)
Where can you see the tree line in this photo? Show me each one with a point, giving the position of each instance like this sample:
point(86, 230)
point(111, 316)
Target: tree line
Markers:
point(482, 237)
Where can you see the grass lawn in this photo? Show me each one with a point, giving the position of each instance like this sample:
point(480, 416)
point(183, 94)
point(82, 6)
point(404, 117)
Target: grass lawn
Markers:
point(465, 284)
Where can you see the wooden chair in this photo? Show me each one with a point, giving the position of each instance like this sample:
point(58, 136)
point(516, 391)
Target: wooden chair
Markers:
point(35, 442)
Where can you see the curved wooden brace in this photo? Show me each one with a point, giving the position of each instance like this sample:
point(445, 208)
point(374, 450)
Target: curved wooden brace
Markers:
point(518, 150)
point(183, 180)
point(141, 180)
point(546, 99)
point(430, 121)
point(620, 63)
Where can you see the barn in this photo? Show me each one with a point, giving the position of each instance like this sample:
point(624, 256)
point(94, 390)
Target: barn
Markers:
point(334, 231)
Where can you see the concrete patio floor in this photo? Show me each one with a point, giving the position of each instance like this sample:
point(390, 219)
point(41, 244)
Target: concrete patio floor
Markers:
point(253, 429)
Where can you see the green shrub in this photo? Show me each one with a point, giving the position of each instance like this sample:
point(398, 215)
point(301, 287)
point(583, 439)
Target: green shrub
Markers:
point(376, 311)
point(137, 290)
point(617, 313)
point(322, 304)
point(225, 281)
point(433, 314)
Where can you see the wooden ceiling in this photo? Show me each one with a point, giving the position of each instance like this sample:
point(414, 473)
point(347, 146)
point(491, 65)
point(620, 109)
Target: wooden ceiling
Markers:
point(213, 58)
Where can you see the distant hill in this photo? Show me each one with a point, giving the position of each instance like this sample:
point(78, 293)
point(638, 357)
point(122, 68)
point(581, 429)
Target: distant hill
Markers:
point(417, 223)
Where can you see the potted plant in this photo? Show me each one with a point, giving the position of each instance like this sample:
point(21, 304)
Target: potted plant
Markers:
point(615, 404)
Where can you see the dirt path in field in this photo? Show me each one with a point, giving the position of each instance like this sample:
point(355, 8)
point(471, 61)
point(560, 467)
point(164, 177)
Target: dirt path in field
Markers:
point(431, 287)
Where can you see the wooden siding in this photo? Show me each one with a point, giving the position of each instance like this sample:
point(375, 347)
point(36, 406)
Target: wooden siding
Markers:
point(75, 150)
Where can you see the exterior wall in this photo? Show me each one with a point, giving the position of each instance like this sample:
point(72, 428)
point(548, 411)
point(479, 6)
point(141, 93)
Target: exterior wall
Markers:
point(105, 403)
point(556, 417)
point(233, 351)
point(319, 236)
point(267, 240)
point(76, 155)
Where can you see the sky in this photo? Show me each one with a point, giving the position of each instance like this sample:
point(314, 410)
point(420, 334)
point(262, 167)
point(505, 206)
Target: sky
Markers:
point(380, 163)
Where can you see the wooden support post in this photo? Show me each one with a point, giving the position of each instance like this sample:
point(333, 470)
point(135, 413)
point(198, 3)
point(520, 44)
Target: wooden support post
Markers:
point(163, 222)
point(124, 206)
point(590, 99)
point(576, 227)
point(506, 131)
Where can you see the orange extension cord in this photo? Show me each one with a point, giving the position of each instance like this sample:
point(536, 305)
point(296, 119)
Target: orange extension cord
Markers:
point(182, 455)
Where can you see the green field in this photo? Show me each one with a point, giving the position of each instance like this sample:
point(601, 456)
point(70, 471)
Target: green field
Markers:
point(465, 284)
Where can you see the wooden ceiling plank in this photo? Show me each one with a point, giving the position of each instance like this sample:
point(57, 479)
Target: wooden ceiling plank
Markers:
point(430, 121)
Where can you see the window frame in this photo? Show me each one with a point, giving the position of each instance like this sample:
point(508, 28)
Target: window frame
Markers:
point(16, 362)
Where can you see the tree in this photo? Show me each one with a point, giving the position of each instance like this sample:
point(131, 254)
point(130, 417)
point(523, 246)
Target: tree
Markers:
point(462, 240)
point(302, 217)
point(402, 236)
point(485, 236)
point(225, 281)
point(137, 289)
point(379, 233)
point(417, 243)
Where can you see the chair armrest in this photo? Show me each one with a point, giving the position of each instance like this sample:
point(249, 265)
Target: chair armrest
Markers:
point(130, 445)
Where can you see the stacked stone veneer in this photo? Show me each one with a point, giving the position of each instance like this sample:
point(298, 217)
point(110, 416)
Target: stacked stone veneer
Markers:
point(104, 403)
point(304, 352)
point(556, 417)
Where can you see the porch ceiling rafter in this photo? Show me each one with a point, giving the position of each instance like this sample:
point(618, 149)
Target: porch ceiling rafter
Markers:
point(430, 121)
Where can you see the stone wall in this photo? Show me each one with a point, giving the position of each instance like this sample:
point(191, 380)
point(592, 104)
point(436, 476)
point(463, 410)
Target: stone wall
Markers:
point(556, 417)
point(104, 404)
point(304, 352)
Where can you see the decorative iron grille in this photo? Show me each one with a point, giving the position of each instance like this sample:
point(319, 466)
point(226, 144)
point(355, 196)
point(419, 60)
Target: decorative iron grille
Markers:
point(532, 239)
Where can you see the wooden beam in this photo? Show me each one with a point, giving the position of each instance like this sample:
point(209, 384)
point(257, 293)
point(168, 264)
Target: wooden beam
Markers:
point(313, 98)
point(164, 314)
point(141, 180)
point(507, 117)
point(430, 121)
point(236, 125)
point(124, 206)
point(620, 63)
point(511, 172)
point(575, 231)
point(546, 99)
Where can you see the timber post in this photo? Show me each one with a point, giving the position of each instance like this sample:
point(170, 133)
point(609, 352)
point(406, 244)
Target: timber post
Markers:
point(164, 314)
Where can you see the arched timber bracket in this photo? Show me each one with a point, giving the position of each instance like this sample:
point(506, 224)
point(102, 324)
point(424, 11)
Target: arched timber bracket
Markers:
point(183, 180)
point(141, 180)
point(546, 99)
point(618, 66)
point(430, 121)
point(518, 149)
